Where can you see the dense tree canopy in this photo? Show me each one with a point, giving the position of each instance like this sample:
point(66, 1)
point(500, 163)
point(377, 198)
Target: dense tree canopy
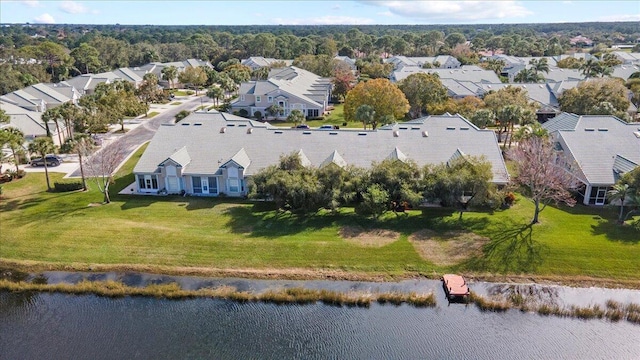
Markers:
point(422, 90)
point(384, 97)
point(604, 96)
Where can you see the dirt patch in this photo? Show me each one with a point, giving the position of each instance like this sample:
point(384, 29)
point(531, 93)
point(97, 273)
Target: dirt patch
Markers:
point(370, 238)
point(449, 248)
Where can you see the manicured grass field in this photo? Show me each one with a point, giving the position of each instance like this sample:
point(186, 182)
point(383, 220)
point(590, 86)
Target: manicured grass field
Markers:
point(224, 233)
point(335, 118)
point(152, 114)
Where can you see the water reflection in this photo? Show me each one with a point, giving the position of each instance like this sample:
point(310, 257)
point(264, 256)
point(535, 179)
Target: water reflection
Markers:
point(51, 326)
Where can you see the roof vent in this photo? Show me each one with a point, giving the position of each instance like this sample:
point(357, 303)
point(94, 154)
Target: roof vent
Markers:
point(223, 130)
point(425, 133)
point(185, 124)
point(306, 133)
point(362, 134)
point(242, 125)
point(277, 132)
point(249, 130)
point(396, 133)
point(464, 128)
point(589, 129)
point(603, 129)
point(541, 86)
point(333, 133)
point(451, 128)
point(403, 128)
point(415, 128)
point(231, 124)
point(637, 134)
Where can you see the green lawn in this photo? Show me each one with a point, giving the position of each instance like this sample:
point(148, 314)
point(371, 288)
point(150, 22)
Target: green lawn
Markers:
point(152, 114)
point(224, 233)
point(335, 118)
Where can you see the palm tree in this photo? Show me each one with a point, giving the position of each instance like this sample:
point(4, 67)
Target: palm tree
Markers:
point(82, 145)
point(366, 114)
point(215, 93)
point(43, 146)
point(590, 68)
point(169, 73)
point(539, 66)
point(14, 138)
point(274, 110)
point(296, 116)
point(620, 192)
point(494, 65)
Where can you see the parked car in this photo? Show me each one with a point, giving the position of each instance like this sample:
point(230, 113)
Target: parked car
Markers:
point(52, 160)
point(302, 126)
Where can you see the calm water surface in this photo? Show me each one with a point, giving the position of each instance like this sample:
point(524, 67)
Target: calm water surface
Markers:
point(57, 326)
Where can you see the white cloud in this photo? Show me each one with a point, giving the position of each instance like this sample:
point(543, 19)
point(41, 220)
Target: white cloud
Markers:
point(622, 17)
point(44, 19)
point(325, 20)
point(72, 7)
point(31, 3)
point(454, 11)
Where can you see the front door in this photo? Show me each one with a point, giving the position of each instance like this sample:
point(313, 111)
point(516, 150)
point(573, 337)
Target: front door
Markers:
point(205, 185)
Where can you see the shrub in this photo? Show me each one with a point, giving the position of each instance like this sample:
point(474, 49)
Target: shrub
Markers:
point(509, 199)
point(257, 115)
point(243, 113)
point(67, 146)
point(17, 174)
point(65, 186)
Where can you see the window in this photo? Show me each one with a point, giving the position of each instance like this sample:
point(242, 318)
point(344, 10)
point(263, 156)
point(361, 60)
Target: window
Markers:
point(234, 185)
point(313, 112)
point(270, 99)
point(141, 182)
point(258, 98)
point(197, 185)
point(213, 185)
point(154, 182)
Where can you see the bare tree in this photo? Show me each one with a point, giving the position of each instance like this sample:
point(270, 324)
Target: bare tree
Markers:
point(101, 165)
point(543, 173)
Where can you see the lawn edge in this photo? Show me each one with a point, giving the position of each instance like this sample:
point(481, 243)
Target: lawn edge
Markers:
point(31, 266)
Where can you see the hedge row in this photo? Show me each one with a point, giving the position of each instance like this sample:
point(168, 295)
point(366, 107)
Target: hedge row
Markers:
point(65, 186)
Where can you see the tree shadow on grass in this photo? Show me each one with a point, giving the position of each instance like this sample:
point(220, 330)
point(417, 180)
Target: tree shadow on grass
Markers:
point(616, 232)
point(510, 250)
point(260, 220)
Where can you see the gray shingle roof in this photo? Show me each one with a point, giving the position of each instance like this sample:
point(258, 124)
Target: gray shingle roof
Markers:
point(470, 73)
point(209, 147)
point(596, 141)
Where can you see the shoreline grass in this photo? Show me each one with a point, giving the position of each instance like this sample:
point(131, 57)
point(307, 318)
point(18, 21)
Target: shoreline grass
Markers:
point(297, 295)
point(613, 310)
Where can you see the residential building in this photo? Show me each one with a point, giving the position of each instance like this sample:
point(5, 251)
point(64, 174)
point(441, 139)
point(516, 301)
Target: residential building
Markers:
point(438, 62)
point(40, 97)
point(211, 153)
point(257, 62)
point(600, 149)
point(31, 124)
point(466, 73)
point(291, 88)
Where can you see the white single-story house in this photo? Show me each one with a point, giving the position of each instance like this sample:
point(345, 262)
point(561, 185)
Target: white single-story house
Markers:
point(601, 149)
point(213, 153)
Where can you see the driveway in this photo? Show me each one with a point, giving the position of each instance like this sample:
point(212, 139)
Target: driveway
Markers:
point(145, 129)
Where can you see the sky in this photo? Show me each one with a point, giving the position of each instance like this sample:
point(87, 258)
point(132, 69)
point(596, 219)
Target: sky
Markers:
point(341, 12)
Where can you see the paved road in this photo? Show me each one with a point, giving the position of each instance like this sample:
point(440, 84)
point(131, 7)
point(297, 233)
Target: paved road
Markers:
point(143, 133)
